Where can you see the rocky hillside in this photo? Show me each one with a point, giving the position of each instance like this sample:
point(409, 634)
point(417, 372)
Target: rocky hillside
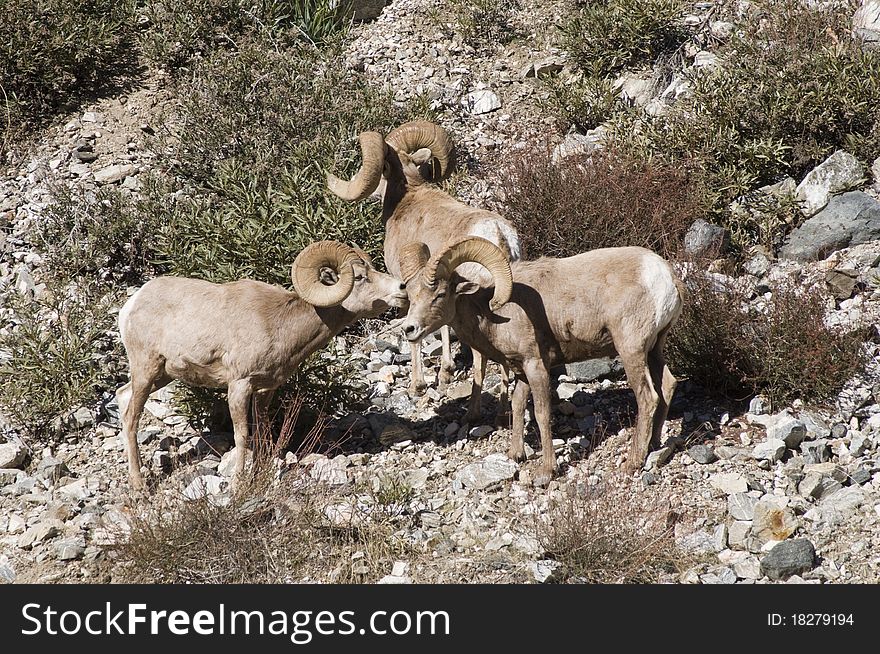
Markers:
point(772, 485)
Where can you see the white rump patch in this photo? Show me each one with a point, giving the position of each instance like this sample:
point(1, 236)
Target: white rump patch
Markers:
point(661, 288)
point(496, 230)
point(125, 310)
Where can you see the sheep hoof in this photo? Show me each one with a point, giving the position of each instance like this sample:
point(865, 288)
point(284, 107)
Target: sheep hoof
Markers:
point(543, 478)
point(471, 417)
point(417, 389)
point(518, 454)
point(502, 421)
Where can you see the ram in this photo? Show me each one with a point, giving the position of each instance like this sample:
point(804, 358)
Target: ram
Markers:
point(397, 168)
point(551, 311)
point(245, 336)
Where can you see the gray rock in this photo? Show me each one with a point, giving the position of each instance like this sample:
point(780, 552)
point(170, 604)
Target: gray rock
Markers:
point(12, 455)
point(80, 489)
point(704, 238)
point(704, 454)
point(416, 478)
point(659, 457)
point(491, 470)
point(839, 172)
point(577, 145)
point(787, 429)
point(841, 282)
point(817, 486)
point(840, 505)
point(866, 21)
point(204, 486)
point(729, 482)
point(9, 475)
point(816, 451)
point(771, 450)
point(816, 426)
point(738, 533)
point(788, 558)
point(757, 265)
point(773, 519)
point(541, 68)
point(331, 471)
point(860, 476)
point(481, 432)
point(748, 568)
point(39, 533)
point(741, 506)
point(482, 101)
point(545, 571)
point(52, 469)
point(566, 390)
point(849, 219)
point(718, 574)
point(591, 369)
point(69, 549)
point(115, 173)
point(7, 574)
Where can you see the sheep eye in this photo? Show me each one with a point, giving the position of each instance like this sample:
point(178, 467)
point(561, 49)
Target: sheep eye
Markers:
point(359, 278)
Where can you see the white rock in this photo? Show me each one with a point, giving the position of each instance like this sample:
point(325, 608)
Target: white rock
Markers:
point(114, 173)
point(204, 486)
point(772, 450)
point(482, 101)
point(839, 172)
point(729, 482)
point(866, 21)
point(544, 571)
point(12, 455)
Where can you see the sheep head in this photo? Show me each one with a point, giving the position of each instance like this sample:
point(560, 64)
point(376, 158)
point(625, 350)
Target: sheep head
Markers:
point(432, 284)
point(329, 273)
point(415, 152)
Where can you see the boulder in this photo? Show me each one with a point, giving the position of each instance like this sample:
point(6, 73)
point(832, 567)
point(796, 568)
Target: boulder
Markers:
point(849, 219)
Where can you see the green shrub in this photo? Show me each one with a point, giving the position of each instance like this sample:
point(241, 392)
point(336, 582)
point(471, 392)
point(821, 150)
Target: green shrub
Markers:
point(262, 127)
point(58, 353)
point(608, 199)
point(103, 235)
point(484, 24)
point(786, 351)
point(52, 51)
point(605, 37)
point(185, 29)
point(791, 87)
point(584, 101)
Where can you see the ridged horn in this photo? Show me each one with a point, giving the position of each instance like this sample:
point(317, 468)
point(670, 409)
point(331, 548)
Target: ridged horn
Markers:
point(419, 134)
point(306, 273)
point(412, 258)
point(477, 250)
point(367, 177)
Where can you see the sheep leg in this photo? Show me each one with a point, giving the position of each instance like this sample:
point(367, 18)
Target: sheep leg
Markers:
point(475, 402)
point(502, 419)
point(664, 380)
point(539, 380)
point(517, 450)
point(131, 399)
point(239, 397)
point(262, 399)
point(446, 365)
point(639, 377)
point(417, 385)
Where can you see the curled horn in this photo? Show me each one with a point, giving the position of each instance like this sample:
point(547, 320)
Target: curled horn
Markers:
point(413, 257)
point(419, 134)
point(306, 273)
point(477, 250)
point(367, 178)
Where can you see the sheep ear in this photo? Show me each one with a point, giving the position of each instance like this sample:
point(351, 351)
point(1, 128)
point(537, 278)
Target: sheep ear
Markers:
point(421, 156)
point(466, 287)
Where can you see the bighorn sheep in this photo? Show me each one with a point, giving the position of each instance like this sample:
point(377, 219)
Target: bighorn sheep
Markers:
point(550, 311)
point(396, 168)
point(247, 336)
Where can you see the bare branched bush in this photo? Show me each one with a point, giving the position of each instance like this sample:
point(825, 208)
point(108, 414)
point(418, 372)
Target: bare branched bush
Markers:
point(279, 526)
point(608, 199)
point(782, 348)
point(611, 533)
